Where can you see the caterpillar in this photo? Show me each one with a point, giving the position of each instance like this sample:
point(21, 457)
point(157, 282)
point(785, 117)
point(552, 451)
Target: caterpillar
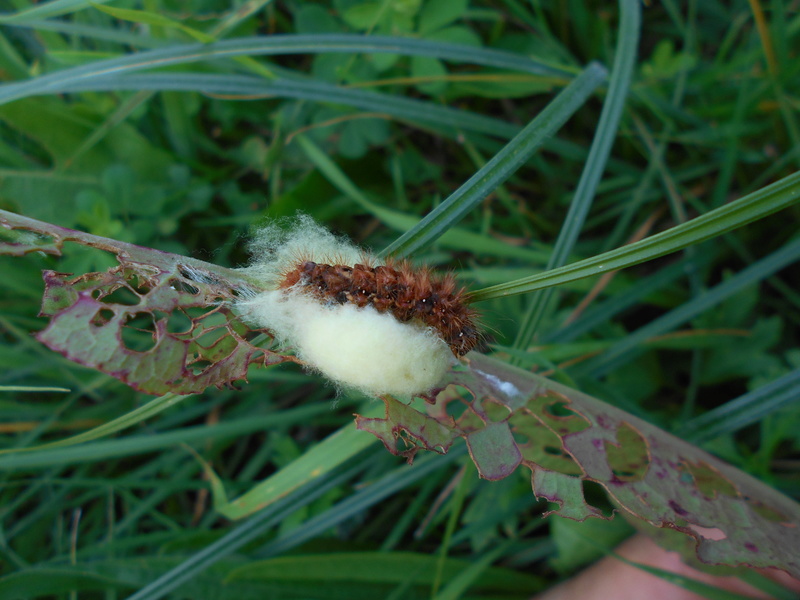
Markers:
point(397, 288)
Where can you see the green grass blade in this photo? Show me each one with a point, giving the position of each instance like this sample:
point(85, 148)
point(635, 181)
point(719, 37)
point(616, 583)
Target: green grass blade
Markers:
point(33, 388)
point(139, 444)
point(319, 460)
point(130, 419)
point(618, 86)
point(459, 239)
point(632, 344)
point(502, 165)
point(745, 410)
point(158, 20)
point(242, 534)
point(94, 32)
point(458, 586)
point(318, 91)
point(55, 8)
point(604, 312)
point(360, 502)
point(454, 238)
point(270, 46)
point(738, 213)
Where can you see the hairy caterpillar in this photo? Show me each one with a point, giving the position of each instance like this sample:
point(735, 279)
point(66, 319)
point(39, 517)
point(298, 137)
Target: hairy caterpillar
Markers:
point(379, 328)
point(398, 289)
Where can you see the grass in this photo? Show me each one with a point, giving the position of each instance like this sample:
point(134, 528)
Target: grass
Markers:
point(372, 135)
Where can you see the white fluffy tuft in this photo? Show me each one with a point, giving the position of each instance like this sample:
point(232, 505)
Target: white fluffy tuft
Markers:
point(354, 347)
point(277, 250)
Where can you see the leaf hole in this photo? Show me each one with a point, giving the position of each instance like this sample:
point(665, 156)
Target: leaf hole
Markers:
point(178, 322)
point(197, 313)
point(122, 295)
point(102, 317)
point(554, 451)
point(141, 287)
point(211, 336)
point(559, 410)
point(198, 275)
point(200, 365)
point(139, 332)
point(596, 496)
point(519, 438)
point(626, 475)
point(709, 533)
point(182, 286)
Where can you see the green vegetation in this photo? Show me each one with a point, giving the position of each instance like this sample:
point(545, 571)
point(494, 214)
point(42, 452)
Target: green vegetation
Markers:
point(368, 134)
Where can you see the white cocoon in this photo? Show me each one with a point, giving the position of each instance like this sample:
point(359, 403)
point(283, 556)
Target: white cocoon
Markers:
point(354, 347)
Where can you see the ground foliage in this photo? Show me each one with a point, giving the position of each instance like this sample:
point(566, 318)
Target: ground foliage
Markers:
point(709, 335)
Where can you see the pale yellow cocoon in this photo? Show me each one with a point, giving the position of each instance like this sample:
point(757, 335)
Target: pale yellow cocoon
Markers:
point(373, 352)
point(354, 347)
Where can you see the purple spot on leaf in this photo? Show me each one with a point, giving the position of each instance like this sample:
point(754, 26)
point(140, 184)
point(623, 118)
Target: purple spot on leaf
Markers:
point(597, 443)
point(678, 508)
point(751, 546)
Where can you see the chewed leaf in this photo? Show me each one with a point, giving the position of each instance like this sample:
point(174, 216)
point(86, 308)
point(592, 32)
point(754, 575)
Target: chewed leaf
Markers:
point(158, 322)
point(417, 431)
point(564, 490)
point(125, 323)
point(565, 438)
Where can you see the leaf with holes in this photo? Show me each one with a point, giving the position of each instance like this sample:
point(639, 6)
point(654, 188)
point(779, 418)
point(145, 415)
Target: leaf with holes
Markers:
point(158, 322)
point(512, 417)
point(161, 322)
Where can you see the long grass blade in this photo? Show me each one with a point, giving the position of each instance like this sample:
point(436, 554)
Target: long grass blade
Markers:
point(46, 10)
point(504, 164)
point(632, 344)
point(139, 444)
point(242, 534)
point(358, 503)
point(257, 88)
point(270, 46)
point(130, 419)
point(764, 202)
point(745, 410)
point(618, 86)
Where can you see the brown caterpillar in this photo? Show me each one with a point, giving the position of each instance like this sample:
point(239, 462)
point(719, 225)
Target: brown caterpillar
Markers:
point(397, 288)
